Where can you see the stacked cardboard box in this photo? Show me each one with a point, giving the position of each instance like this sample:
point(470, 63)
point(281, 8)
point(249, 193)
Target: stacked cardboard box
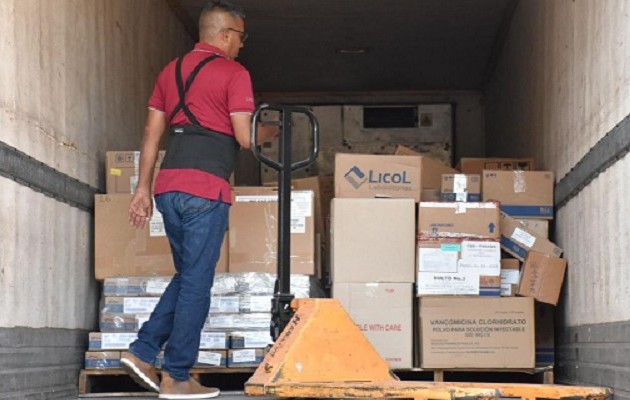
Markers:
point(458, 249)
point(372, 241)
point(237, 326)
point(372, 271)
point(253, 231)
point(136, 266)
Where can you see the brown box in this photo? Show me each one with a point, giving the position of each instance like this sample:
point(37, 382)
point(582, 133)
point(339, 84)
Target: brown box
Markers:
point(122, 171)
point(510, 276)
point(384, 313)
point(458, 219)
point(542, 277)
point(540, 226)
point(123, 251)
point(477, 165)
point(369, 176)
point(460, 187)
point(522, 194)
point(477, 332)
point(253, 231)
point(454, 266)
point(373, 240)
point(518, 240)
point(405, 151)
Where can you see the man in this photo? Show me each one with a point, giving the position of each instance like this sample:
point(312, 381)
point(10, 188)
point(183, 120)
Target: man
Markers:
point(206, 98)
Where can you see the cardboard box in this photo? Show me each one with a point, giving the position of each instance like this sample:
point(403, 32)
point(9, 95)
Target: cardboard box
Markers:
point(323, 191)
point(510, 276)
point(542, 277)
point(370, 176)
point(405, 151)
point(539, 226)
point(135, 286)
point(518, 240)
point(384, 313)
point(129, 305)
point(477, 332)
point(117, 322)
point(253, 231)
point(111, 340)
point(430, 195)
point(522, 194)
point(245, 357)
point(458, 267)
point(463, 220)
point(122, 169)
point(373, 240)
point(205, 359)
point(102, 359)
point(124, 251)
point(477, 165)
point(214, 340)
point(461, 187)
point(250, 339)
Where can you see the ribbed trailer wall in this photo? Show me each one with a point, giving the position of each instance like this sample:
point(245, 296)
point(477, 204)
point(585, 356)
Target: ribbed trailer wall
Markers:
point(74, 80)
point(561, 92)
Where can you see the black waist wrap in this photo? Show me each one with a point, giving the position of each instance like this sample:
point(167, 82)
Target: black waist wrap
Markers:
point(194, 147)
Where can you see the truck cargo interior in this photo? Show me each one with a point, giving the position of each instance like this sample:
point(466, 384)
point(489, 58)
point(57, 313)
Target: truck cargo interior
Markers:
point(448, 91)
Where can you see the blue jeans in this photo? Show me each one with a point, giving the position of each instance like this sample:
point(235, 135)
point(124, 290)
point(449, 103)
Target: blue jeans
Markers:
point(195, 228)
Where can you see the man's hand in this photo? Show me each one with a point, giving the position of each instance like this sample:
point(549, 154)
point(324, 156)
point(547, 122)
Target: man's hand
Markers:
point(140, 208)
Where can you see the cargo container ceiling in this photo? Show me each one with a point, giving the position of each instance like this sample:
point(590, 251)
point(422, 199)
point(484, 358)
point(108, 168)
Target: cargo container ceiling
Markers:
point(367, 45)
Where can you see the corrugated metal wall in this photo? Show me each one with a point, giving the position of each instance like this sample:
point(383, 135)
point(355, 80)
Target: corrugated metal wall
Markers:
point(561, 84)
point(74, 80)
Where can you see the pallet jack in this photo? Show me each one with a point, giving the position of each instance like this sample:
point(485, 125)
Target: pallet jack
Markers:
point(318, 351)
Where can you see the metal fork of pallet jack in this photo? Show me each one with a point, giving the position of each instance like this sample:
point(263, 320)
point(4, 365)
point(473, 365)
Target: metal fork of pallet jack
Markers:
point(281, 311)
point(319, 352)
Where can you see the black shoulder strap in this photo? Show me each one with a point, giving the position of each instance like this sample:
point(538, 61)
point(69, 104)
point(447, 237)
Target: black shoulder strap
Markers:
point(182, 90)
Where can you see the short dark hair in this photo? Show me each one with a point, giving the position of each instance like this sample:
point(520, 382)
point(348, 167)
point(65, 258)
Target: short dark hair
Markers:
point(232, 9)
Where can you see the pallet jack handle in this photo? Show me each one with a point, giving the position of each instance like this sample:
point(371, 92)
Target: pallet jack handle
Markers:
point(281, 311)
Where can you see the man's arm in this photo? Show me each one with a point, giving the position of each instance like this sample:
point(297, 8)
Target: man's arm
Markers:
point(242, 124)
point(141, 206)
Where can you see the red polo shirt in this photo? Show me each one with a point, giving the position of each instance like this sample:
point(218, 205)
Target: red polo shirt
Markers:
point(221, 88)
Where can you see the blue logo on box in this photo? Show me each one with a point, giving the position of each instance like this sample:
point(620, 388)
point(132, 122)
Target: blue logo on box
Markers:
point(356, 177)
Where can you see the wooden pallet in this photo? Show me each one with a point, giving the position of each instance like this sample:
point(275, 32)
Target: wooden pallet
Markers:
point(115, 382)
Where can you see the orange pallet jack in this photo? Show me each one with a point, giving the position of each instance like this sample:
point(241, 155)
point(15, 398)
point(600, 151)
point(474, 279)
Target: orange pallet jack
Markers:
point(320, 353)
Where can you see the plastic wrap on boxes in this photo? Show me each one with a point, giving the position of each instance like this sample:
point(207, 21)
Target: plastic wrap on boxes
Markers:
point(205, 359)
point(111, 341)
point(225, 304)
point(244, 321)
point(117, 322)
point(245, 357)
point(129, 305)
point(250, 339)
point(149, 286)
point(258, 283)
point(255, 302)
point(102, 359)
point(214, 340)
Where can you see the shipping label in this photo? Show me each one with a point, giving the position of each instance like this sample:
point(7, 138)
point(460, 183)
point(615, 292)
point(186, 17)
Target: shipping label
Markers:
point(209, 358)
point(213, 340)
point(436, 260)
